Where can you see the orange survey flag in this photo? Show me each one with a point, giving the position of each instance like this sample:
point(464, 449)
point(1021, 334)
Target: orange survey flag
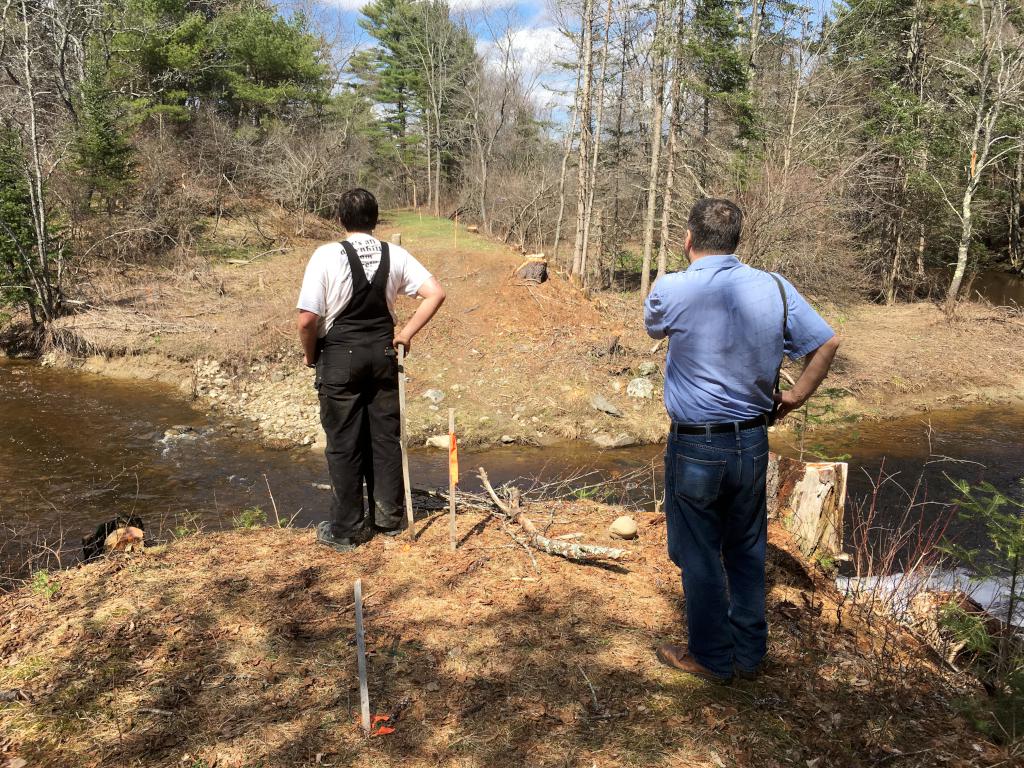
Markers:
point(453, 458)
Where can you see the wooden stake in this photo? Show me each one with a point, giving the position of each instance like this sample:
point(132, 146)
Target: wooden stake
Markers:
point(405, 444)
point(453, 477)
point(364, 693)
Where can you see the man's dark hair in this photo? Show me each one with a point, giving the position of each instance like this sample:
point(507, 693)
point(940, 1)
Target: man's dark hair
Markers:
point(357, 210)
point(715, 226)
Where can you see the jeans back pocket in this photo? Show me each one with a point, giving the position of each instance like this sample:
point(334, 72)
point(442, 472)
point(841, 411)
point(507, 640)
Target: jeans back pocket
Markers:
point(698, 480)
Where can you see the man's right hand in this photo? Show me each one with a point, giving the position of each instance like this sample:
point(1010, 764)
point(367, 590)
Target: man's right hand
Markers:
point(401, 340)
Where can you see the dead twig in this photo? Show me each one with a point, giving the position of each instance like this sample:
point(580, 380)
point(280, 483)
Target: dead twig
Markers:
point(567, 549)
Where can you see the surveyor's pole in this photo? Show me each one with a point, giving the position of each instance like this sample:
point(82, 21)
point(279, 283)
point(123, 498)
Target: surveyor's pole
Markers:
point(405, 443)
point(453, 477)
point(364, 692)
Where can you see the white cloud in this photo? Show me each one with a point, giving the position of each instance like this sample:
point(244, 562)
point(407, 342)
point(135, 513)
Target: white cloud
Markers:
point(536, 51)
point(457, 6)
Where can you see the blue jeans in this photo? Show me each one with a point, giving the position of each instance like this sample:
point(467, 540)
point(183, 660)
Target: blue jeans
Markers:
point(715, 508)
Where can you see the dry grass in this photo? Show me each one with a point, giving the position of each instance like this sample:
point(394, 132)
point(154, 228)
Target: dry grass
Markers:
point(237, 649)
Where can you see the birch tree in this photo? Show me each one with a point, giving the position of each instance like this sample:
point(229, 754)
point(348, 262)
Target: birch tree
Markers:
point(984, 83)
point(659, 57)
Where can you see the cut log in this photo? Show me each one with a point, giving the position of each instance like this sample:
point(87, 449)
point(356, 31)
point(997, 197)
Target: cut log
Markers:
point(809, 499)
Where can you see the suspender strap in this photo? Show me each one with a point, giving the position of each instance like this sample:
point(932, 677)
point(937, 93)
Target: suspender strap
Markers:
point(785, 329)
point(359, 282)
point(380, 277)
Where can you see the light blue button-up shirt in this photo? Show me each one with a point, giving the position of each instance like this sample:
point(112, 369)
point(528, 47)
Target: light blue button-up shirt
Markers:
point(723, 320)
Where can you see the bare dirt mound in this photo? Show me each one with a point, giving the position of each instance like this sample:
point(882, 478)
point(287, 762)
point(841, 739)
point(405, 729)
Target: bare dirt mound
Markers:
point(237, 649)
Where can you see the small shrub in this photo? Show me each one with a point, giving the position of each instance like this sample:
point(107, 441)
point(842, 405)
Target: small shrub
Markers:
point(187, 524)
point(251, 517)
point(42, 584)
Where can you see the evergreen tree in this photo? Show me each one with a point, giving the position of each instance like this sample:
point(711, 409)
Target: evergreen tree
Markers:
point(720, 69)
point(272, 65)
point(103, 153)
point(244, 60)
point(416, 74)
point(17, 236)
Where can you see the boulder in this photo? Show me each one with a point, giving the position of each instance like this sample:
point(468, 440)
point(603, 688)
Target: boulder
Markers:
point(624, 527)
point(507, 439)
point(433, 395)
point(441, 442)
point(648, 368)
point(621, 440)
point(604, 405)
point(640, 388)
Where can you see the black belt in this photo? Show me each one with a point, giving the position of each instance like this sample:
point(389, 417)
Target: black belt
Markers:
point(715, 429)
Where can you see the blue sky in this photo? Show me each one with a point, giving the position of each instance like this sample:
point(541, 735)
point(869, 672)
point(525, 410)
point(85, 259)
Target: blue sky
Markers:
point(535, 39)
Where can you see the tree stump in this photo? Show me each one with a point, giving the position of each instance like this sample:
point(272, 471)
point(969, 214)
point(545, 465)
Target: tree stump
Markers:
point(809, 499)
point(533, 270)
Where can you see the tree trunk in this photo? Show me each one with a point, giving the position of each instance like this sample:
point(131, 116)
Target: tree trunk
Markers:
point(1016, 236)
point(756, 15)
point(658, 99)
point(437, 165)
point(962, 249)
point(594, 155)
point(617, 160)
point(430, 163)
point(670, 169)
point(561, 179)
point(584, 148)
point(49, 295)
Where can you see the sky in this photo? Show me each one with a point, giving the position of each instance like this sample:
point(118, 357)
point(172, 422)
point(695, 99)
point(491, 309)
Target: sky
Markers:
point(534, 36)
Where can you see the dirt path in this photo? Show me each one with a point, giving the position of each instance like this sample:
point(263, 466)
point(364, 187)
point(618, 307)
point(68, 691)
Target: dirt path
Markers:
point(236, 649)
point(520, 363)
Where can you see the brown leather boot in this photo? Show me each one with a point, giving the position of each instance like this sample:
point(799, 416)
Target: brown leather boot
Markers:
point(677, 657)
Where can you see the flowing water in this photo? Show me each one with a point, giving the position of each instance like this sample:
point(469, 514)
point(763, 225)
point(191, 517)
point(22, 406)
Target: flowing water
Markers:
point(77, 449)
point(1001, 288)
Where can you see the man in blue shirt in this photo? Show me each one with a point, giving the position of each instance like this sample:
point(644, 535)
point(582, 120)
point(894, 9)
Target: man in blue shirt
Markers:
point(728, 327)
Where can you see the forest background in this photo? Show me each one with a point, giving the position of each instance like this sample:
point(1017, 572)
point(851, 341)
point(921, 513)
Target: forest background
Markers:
point(875, 145)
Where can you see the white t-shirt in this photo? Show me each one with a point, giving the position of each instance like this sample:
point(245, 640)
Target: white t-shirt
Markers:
point(327, 284)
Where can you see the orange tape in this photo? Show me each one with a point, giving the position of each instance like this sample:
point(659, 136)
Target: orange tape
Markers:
point(453, 458)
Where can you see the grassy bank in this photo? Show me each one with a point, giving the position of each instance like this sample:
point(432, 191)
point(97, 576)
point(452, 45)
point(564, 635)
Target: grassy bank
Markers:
point(520, 363)
point(237, 649)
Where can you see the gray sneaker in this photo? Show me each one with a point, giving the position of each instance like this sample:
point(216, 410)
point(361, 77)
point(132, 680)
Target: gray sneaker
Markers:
point(338, 544)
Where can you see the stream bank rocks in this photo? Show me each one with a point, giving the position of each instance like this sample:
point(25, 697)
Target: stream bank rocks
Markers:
point(275, 398)
point(640, 388)
point(604, 405)
point(621, 440)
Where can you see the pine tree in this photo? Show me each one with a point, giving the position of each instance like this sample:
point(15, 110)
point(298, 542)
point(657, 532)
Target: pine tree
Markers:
point(17, 237)
point(720, 71)
point(103, 152)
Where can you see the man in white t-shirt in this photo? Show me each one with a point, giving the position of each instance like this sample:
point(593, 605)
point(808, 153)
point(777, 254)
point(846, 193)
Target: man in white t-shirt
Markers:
point(347, 328)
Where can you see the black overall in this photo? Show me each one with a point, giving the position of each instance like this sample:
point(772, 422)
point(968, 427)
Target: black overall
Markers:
point(357, 380)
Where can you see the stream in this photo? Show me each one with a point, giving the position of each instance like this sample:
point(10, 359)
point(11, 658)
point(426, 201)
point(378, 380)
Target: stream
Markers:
point(76, 449)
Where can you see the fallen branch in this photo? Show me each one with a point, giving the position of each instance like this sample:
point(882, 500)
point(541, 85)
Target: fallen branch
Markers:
point(567, 549)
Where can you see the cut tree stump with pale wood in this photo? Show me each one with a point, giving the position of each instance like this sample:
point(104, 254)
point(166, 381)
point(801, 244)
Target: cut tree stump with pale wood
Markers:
point(809, 499)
